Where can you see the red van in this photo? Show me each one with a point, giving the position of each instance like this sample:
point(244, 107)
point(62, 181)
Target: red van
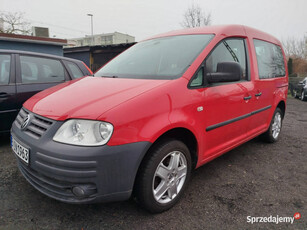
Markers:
point(150, 116)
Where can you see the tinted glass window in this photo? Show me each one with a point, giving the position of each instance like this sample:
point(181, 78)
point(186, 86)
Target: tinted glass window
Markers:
point(74, 69)
point(270, 60)
point(229, 50)
point(39, 70)
point(160, 58)
point(5, 61)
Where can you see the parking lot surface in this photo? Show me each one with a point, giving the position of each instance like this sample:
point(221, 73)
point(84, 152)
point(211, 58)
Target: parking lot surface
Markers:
point(255, 179)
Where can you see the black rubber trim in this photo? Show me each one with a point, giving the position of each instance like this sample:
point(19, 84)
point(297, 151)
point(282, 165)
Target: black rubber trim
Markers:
point(260, 110)
point(211, 127)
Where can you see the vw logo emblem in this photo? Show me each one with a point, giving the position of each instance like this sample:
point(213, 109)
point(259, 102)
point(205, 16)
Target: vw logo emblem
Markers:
point(25, 122)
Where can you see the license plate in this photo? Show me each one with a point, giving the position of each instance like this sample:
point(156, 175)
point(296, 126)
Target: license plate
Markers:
point(22, 152)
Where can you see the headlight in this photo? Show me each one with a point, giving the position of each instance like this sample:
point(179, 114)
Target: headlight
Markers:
point(84, 132)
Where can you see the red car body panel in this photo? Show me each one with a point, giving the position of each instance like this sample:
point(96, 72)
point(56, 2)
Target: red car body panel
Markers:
point(143, 110)
point(85, 97)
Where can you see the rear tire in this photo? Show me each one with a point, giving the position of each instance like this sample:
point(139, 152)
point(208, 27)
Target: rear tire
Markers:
point(272, 134)
point(163, 176)
point(303, 95)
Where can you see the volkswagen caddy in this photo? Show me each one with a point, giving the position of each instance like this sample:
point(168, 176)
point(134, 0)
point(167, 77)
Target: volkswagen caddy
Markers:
point(162, 108)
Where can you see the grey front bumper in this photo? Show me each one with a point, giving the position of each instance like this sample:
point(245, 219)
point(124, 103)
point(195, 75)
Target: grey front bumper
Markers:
point(107, 172)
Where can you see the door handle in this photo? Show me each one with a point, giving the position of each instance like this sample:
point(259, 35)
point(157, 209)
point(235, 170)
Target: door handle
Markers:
point(3, 95)
point(258, 94)
point(247, 98)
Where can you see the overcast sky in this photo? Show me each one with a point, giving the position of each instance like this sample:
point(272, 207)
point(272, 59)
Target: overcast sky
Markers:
point(143, 18)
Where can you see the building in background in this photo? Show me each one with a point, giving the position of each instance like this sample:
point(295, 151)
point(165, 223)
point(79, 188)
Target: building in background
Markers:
point(102, 39)
point(96, 56)
point(40, 31)
point(32, 43)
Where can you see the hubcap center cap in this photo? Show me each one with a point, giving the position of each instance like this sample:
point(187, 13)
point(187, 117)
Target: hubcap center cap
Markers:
point(172, 177)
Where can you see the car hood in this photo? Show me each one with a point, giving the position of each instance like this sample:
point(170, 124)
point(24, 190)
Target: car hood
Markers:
point(88, 97)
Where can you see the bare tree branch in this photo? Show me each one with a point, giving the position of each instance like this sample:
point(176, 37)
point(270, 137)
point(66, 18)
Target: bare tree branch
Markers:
point(195, 17)
point(296, 48)
point(14, 23)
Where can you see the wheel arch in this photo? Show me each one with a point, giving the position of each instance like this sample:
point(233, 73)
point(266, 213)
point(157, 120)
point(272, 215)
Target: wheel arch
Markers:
point(184, 135)
point(282, 106)
point(179, 133)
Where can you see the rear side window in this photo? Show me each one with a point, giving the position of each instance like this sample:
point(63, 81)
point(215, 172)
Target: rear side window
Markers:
point(229, 50)
point(74, 69)
point(5, 61)
point(41, 70)
point(270, 60)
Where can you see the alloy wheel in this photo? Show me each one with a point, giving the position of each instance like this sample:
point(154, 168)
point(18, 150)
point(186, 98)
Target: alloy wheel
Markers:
point(169, 177)
point(276, 126)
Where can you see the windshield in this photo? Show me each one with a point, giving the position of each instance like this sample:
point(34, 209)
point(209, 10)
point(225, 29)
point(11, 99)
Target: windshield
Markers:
point(160, 58)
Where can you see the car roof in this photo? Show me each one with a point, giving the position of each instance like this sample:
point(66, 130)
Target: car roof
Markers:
point(38, 54)
point(227, 30)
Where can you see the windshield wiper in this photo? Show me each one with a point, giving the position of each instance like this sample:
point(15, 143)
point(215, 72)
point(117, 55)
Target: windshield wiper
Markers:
point(234, 56)
point(110, 76)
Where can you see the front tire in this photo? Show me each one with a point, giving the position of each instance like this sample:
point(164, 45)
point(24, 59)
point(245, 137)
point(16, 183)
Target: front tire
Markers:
point(272, 134)
point(163, 176)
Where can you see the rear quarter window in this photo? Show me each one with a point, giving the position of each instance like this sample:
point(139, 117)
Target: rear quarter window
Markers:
point(270, 60)
point(74, 70)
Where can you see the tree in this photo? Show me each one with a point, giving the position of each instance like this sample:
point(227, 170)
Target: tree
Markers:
point(296, 48)
point(196, 17)
point(14, 23)
point(296, 52)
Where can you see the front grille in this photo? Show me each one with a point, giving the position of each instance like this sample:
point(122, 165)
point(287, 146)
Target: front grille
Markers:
point(37, 126)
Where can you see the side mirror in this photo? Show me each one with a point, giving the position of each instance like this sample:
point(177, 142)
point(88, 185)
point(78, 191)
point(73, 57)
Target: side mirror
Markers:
point(225, 72)
point(301, 83)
